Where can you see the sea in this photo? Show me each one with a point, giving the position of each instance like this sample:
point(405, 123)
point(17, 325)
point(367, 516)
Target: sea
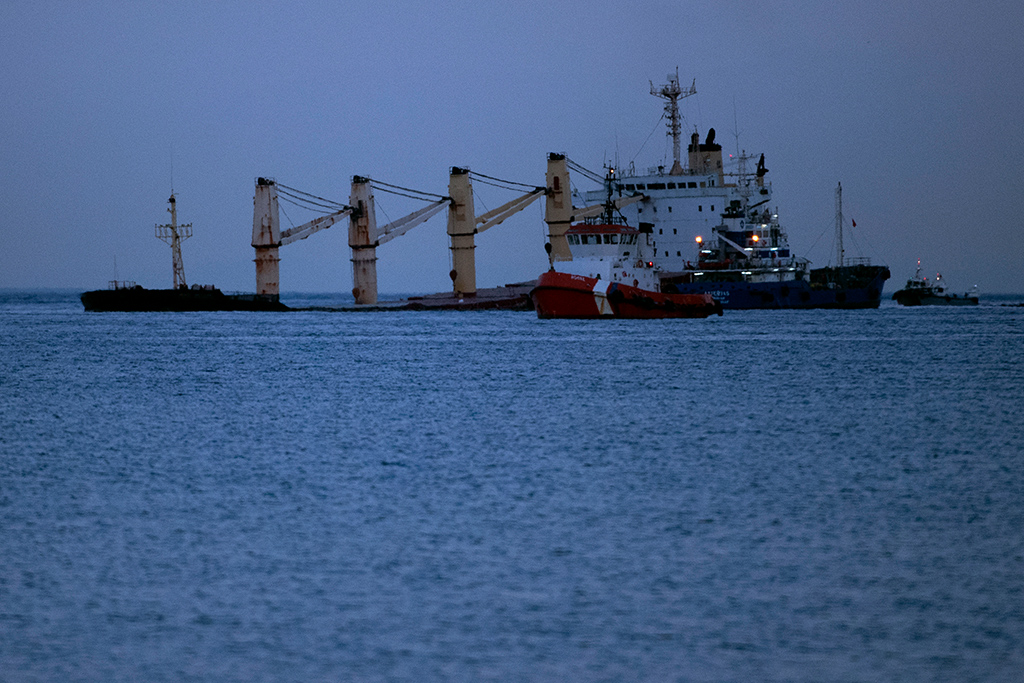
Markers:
point(486, 496)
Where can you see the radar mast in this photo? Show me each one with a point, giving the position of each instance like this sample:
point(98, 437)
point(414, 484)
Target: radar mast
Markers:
point(671, 93)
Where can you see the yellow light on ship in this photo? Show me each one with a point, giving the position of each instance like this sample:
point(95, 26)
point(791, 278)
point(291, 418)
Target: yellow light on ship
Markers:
point(699, 239)
point(755, 238)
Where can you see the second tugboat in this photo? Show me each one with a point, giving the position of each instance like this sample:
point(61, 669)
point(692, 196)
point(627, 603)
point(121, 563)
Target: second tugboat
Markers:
point(920, 292)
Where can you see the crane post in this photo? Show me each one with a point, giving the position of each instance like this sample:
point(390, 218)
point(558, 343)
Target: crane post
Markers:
point(461, 230)
point(266, 238)
point(362, 239)
point(558, 208)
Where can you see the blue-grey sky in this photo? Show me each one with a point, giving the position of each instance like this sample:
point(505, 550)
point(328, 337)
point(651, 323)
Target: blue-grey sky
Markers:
point(914, 106)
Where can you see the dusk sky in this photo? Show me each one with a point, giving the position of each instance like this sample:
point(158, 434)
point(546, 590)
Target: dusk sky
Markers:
point(916, 107)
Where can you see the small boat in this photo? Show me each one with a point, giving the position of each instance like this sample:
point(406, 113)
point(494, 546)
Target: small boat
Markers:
point(612, 275)
point(920, 292)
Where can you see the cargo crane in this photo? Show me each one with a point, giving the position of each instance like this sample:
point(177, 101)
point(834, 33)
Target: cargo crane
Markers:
point(364, 234)
point(464, 224)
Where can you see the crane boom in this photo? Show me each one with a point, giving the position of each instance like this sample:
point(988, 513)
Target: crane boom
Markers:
point(597, 209)
point(496, 216)
point(403, 225)
point(303, 231)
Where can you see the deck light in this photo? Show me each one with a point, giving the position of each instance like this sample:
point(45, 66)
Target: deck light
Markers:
point(699, 239)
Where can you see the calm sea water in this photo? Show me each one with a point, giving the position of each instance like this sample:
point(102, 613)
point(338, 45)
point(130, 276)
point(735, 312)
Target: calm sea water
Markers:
point(769, 496)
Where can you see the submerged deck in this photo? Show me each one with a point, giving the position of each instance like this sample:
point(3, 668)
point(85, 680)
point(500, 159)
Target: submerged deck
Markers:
point(511, 297)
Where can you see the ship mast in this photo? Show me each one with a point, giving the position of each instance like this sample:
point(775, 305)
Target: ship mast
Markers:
point(671, 93)
point(173, 234)
point(839, 226)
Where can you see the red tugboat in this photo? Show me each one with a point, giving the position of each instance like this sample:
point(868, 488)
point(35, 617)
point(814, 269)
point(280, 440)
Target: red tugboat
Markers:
point(609, 276)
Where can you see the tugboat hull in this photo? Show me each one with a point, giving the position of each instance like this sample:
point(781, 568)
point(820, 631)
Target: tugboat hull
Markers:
point(564, 295)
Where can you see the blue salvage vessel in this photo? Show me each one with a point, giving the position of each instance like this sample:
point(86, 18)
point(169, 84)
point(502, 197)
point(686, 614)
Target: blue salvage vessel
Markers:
point(747, 263)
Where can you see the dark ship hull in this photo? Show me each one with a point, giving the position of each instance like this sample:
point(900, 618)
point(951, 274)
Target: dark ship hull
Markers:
point(848, 287)
point(196, 299)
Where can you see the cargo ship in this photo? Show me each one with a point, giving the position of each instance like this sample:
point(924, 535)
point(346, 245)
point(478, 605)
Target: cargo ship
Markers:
point(743, 258)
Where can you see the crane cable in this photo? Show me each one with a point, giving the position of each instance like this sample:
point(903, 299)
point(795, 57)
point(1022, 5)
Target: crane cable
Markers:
point(394, 189)
point(507, 184)
point(309, 201)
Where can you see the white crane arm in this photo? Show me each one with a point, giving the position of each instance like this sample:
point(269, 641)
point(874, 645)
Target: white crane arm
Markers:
point(403, 225)
point(303, 231)
point(496, 216)
point(596, 209)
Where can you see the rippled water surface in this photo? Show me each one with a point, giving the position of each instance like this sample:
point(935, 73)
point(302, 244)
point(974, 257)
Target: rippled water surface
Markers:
point(771, 496)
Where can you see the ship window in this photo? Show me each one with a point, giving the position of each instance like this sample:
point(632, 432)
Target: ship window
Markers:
point(671, 186)
point(630, 187)
point(712, 207)
point(666, 253)
point(692, 185)
point(670, 209)
point(679, 253)
point(656, 186)
point(608, 239)
point(703, 184)
point(640, 186)
point(700, 208)
point(674, 231)
point(659, 231)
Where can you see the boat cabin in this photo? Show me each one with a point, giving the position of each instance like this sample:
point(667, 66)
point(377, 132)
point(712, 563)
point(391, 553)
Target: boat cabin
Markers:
point(602, 241)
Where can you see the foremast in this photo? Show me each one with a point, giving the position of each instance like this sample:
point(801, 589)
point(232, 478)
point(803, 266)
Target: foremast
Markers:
point(840, 254)
point(173, 234)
